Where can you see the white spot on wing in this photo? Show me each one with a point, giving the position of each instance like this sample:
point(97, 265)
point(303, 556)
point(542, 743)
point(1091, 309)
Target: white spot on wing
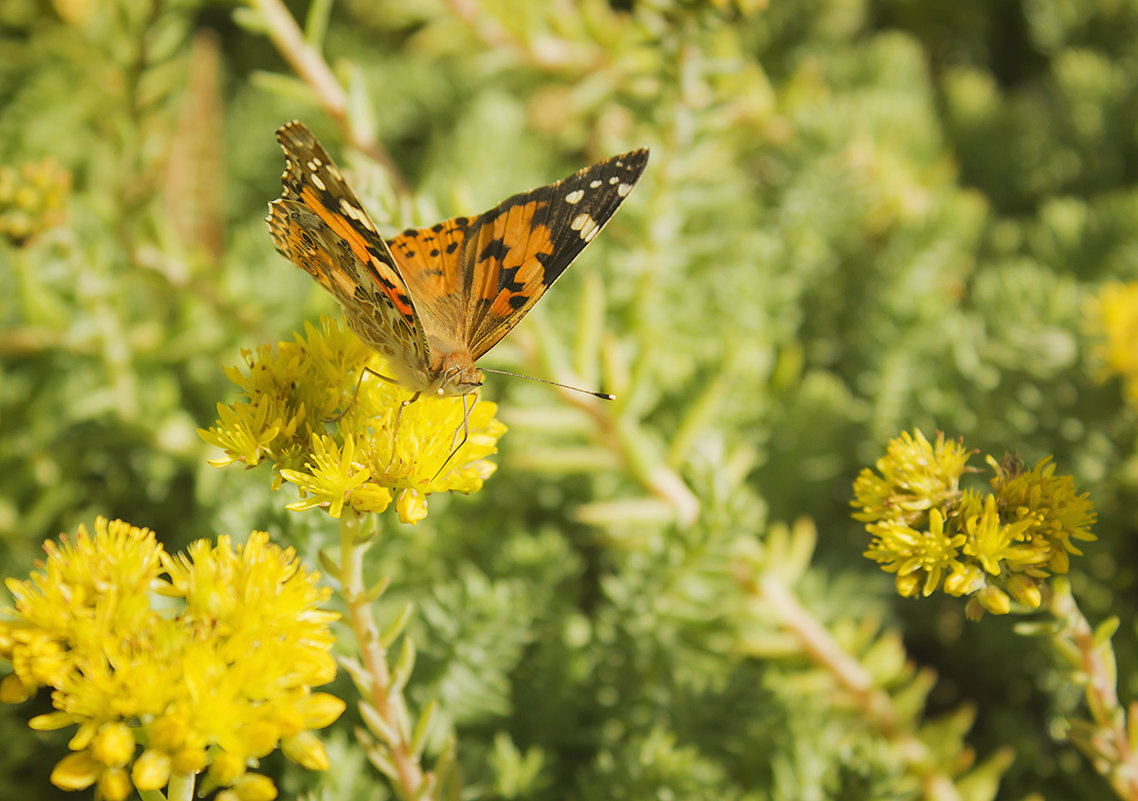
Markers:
point(614, 180)
point(624, 189)
point(585, 225)
point(317, 182)
point(356, 213)
point(575, 196)
point(594, 184)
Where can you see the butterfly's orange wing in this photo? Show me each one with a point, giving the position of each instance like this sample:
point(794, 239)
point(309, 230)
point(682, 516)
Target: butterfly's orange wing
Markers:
point(482, 275)
point(320, 226)
point(432, 261)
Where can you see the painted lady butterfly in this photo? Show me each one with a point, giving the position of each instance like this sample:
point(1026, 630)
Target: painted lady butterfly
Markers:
point(433, 300)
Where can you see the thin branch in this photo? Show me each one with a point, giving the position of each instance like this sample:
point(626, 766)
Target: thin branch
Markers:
point(876, 706)
point(655, 476)
point(1110, 750)
point(390, 706)
point(309, 64)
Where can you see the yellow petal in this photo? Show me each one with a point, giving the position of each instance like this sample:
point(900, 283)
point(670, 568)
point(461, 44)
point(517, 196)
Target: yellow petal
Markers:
point(14, 691)
point(113, 785)
point(255, 787)
point(321, 709)
point(306, 750)
point(75, 772)
point(113, 744)
point(994, 600)
point(412, 506)
point(151, 771)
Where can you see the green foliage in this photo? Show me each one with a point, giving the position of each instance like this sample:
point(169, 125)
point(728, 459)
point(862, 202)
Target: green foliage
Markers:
point(858, 218)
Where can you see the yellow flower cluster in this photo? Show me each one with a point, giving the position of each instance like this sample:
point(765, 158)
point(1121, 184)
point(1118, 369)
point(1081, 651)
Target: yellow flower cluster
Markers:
point(987, 545)
point(1117, 321)
point(209, 679)
point(318, 411)
point(32, 198)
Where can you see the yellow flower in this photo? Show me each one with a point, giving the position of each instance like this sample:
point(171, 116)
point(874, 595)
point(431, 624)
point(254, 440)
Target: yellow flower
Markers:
point(912, 477)
point(1047, 505)
point(32, 198)
point(332, 476)
point(992, 547)
point(1117, 320)
point(908, 552)
point(218, 682)
point(992, 542)
point(66, 611)
point(318, 411)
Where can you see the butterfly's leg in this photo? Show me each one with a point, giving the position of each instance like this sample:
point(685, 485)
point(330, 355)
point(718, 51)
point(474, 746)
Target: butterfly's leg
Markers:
point(395, 428)
point(465, 426)
point(465, 429)
point(334, 418)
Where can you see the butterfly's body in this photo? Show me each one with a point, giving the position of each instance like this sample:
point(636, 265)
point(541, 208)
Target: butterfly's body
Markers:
point(434, 300)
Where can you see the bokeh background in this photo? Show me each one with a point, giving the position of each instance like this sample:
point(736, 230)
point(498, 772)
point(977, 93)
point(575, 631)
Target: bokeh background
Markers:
point(859, 218)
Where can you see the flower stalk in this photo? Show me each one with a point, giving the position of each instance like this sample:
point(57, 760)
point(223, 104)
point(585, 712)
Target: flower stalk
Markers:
point(1110, 738)
point(307, 62)
point(867, 673)
point(384, 708)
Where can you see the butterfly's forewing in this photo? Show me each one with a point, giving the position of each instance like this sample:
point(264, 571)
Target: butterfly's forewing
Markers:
point(320, 226)
point(526, 243)
point(484, 274)
point(303, 239)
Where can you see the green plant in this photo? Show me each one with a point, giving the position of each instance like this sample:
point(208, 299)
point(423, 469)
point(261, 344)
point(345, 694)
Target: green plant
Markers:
point(859, 218)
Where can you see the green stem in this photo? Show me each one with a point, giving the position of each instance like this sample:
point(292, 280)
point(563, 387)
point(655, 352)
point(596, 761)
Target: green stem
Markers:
point(1113, 753)
point(181, 788)
point(389, 705)
point(874, 704)
point(309, 64)
point(626, 438)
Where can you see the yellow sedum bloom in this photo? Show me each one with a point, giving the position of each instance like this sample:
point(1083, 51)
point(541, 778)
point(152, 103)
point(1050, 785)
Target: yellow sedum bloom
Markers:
point(910, 553)
point(346, 440)
point(992, 547)
point(211, 683)
point(1047, 507)
point(1116, 319)
point(33, 197)
point(912, 477)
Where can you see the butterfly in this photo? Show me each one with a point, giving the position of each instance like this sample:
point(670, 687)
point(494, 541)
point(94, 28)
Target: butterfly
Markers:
point(433, 300)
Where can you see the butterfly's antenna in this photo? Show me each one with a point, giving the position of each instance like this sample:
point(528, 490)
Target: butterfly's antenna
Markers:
point(602, 395)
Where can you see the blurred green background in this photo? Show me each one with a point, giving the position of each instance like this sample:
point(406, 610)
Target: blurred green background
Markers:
point(858, 218)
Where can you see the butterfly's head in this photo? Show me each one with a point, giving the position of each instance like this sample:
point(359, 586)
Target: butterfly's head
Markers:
point(456, 375)
point(459, 382)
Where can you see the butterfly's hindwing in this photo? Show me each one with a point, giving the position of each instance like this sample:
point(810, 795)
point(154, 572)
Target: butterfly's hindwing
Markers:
point(430, 259)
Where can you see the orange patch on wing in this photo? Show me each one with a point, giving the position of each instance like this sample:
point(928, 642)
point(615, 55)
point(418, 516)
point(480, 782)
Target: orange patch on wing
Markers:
point(519, 224)
point(339, 225)
point(315, 261)
point(430, 260)
point(525, 242)
point(342, 227)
